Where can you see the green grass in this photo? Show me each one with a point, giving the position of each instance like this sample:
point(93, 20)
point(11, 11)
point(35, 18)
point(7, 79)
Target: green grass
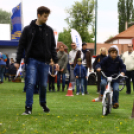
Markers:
point(69, 115)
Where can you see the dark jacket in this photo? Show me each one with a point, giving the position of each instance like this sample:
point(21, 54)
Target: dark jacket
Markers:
point(80, 71)
point(44, 51)
point(112, 66)
point(98, 59)
point(88, 58)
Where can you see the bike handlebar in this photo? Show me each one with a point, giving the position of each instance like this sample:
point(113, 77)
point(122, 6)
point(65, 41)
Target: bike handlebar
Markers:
point(115, 77)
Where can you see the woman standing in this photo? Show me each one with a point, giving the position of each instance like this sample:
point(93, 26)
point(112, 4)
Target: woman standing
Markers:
point(103, 54)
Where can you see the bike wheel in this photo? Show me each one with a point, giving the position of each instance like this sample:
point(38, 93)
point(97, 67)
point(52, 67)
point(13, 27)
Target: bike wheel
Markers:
point(122, 84)
point(107, 108)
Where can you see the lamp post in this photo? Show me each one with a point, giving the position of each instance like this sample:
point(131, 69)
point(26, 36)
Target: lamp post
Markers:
point(96, 4)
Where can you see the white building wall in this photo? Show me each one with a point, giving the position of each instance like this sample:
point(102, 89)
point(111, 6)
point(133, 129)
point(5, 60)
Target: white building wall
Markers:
point(125, 41)
point(115, 41)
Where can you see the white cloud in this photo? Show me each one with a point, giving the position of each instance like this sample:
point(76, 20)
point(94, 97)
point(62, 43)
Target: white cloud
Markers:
point(107, 25)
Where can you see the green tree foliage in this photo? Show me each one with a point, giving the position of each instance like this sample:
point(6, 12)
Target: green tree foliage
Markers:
point(125, 10)
point(81, 15)
point(122, 15)
point(5, 17)
point(65, 37)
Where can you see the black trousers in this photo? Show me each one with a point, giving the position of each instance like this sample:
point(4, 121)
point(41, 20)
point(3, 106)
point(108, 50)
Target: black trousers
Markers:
point(51, 82)
point(130, 75)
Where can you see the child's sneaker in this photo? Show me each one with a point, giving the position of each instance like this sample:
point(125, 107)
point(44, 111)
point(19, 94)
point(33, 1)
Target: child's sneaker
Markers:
point(116, 105)
point(28, 110)
point(77, 93)
point(83, 94)
point(98, 99)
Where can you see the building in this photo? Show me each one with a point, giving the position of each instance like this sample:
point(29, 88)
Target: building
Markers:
point(121, 40)
point(9, 47)
point(125, 37)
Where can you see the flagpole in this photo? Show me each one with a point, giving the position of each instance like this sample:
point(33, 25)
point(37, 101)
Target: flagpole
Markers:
point(95, 46)
point(22, 19)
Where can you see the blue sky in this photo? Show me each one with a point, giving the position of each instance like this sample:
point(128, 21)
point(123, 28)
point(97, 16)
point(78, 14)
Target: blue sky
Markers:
point(107, 14)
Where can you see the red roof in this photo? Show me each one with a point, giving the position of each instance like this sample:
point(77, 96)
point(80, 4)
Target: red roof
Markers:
point(127, 34)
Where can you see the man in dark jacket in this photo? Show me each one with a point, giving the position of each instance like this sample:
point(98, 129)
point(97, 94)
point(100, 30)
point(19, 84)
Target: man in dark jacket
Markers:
point(38, 41)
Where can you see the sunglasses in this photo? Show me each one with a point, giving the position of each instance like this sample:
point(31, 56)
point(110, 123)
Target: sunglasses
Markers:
point(72, 45)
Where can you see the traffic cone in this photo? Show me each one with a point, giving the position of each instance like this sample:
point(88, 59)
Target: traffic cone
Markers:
point(133, 111)
point(69, 92)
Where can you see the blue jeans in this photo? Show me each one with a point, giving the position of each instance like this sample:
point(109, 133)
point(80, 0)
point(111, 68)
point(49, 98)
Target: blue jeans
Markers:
point(63, 79)
point(115, 86)
point(36, 68)
point(2, 71)
point(79, 84)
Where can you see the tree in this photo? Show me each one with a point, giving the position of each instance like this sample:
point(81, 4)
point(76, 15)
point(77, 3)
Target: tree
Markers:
point(122, 15)
point(125, 9)
point(129, 9)
point(5, 17)
point(65, 37)
point(81, 15)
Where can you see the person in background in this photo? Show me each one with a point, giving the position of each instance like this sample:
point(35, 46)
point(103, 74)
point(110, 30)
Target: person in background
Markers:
point(52, 75)
point(80, 73)
point(128, 59)
point(62, 62)
point(11, 70)
point(3, 60)
point(85, 55)
point(72, 55)
point(7, 66)
point(99, 58)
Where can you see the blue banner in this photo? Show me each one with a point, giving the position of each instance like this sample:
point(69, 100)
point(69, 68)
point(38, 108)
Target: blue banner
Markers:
point(16, 23)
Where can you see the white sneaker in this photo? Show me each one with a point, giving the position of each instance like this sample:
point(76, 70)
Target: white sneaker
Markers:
point(83, 94)
point(77, 93)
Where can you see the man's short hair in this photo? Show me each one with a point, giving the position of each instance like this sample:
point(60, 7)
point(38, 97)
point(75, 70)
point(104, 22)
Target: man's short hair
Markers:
point(41, 10)
point(84, 43)
point(73, 43)
point(130, 44)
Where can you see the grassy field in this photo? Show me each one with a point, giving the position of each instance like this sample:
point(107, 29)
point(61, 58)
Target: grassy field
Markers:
point(68, 115)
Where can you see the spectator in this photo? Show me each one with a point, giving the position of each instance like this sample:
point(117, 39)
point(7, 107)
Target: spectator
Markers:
point(52, 75)
point(72, 55)
point(85, 55)
point(80, 73)
point(11, 70)
point(62, 61)
point(3, 60)
point(103, 53)
point(7, 66)
point(128, 59)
